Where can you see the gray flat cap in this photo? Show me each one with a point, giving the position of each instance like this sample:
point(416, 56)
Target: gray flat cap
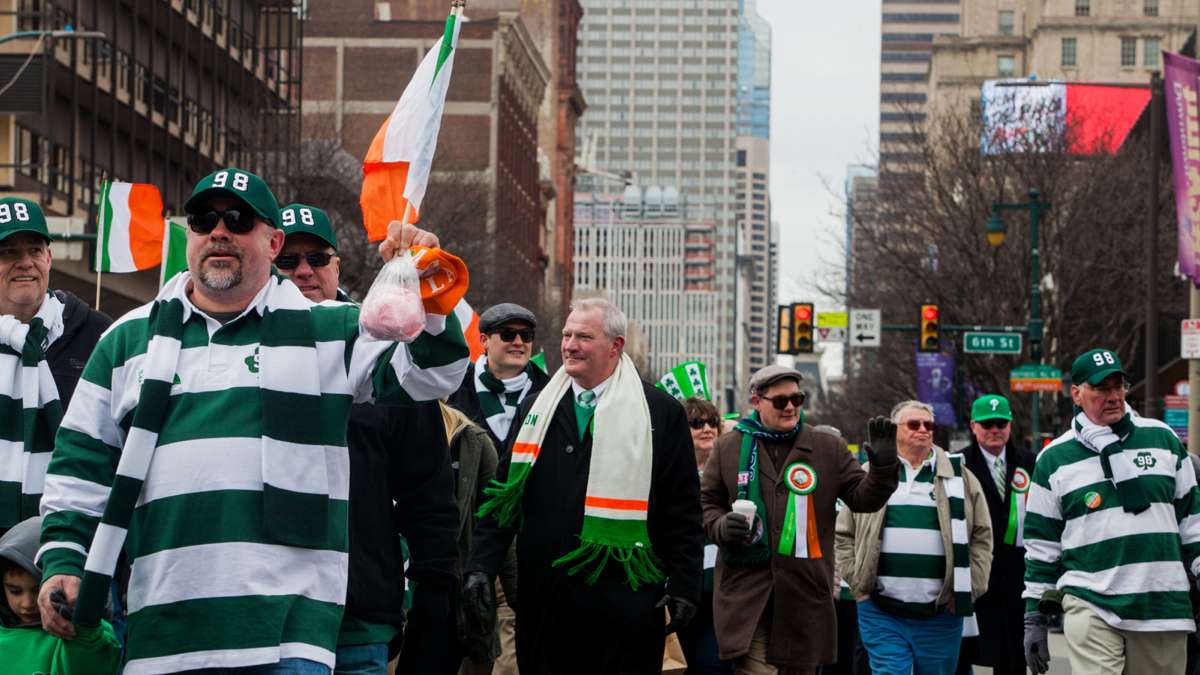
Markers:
point(769, 375)
point(498, 315)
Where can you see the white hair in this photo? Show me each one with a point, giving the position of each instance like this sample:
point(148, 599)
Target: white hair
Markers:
point(905, 405)
point(613, 319)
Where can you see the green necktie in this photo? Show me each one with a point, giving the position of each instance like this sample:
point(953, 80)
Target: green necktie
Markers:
point(585, 407)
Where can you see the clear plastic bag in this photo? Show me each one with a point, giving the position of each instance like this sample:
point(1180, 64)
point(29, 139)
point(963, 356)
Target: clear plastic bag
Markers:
point(393, 310)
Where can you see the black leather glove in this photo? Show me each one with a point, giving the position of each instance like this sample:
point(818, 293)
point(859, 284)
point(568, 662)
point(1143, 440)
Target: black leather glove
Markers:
point(1037, 642)
point(681, 611)
point(479, 604)
point(732, 529)
point(881, 441)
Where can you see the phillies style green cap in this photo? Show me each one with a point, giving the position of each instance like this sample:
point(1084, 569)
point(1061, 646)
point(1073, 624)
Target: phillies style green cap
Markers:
point(21, 215)
point(1095, 365)
point(990, 407)
point(305, 219)
point(237, 184)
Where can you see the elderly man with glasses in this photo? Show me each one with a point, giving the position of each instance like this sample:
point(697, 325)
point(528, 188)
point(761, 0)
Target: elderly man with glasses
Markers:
point(1112, 530)
point(1004, 470)
point(917, 565)
point(777, 564)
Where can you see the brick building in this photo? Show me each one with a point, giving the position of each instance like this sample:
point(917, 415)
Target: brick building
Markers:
point(486, 196)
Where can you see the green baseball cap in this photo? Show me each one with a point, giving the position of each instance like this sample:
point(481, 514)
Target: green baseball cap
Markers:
point(1094, 365)
point(21, 215)
point(990, 407)
point(238, 184)
point(305, 219)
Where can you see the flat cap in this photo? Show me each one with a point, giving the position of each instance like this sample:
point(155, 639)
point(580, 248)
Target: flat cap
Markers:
point(769, 375)
point(498, 315)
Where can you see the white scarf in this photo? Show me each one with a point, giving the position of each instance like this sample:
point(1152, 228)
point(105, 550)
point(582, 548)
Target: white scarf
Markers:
point(500, 420)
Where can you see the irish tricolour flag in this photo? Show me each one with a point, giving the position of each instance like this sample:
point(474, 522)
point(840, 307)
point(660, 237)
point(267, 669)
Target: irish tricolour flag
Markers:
point(396, 168)
point(130, 236)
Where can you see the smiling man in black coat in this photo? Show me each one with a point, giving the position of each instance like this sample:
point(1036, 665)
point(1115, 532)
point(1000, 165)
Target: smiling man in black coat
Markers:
point(1004, 471)
point(576, 615)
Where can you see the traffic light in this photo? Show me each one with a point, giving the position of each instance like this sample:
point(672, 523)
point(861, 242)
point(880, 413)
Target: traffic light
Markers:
point(785, 329)
point(931, 331)
point(802, 328)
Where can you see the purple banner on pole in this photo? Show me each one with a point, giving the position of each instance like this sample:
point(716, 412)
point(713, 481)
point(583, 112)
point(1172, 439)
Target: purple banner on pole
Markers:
point(935, 385)
point(1183, 126)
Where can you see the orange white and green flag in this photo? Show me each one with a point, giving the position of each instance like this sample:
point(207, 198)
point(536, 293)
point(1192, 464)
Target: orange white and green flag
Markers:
point(396, 168)
point(130, 226)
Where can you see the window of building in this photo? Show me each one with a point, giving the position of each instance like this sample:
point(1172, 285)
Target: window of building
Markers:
point(1150, 7)
point(1083, 8)
point(1151, 47)
point(1128, 52)
point(1006, 22)
point(1069, 51)
point(1006, 65)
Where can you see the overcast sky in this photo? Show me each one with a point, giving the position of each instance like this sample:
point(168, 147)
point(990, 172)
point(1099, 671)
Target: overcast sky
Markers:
point(824, 117)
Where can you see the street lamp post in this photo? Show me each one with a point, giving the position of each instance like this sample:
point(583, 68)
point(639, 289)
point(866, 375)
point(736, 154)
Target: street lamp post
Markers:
point(996, 232)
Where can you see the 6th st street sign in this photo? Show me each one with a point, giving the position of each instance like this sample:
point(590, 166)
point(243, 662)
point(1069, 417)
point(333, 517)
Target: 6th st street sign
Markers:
point(992, 343)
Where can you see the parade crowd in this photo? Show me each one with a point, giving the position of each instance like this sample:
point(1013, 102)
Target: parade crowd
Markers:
point(236, 477)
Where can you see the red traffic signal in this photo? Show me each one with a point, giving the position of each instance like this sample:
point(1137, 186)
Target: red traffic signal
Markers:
point(929, 312)
point(930, 333)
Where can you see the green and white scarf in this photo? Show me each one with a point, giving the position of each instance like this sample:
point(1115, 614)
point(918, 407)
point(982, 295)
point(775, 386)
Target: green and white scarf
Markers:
point(27, 437)
point(291, 409)
point(619, 474)
point(960, 539)
point(498, 399)
point(749, 486)
point(1108, 442)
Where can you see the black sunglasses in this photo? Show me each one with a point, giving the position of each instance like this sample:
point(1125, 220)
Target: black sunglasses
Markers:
point(510, 334)
point(237, 221)
point(290, 261)
point(781, 402)
point(914, 425)
point(993, 424)
point(700, 423)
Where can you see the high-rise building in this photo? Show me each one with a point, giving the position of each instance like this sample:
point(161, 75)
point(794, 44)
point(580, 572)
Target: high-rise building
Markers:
point(648, 252)
point(1073, 40)
point(165, 93)
point(660, 80)
point(756, 330)
point(909, 29)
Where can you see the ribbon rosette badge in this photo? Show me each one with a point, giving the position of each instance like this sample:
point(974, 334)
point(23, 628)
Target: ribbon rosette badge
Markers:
point(801, 478)
point(1092, 500)
point(1020, 480)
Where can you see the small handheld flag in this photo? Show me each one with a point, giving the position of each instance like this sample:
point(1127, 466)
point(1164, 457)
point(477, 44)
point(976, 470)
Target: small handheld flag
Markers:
point(686, 380)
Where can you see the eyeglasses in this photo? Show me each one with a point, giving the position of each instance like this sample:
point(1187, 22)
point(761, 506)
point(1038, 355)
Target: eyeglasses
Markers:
point(993, 424)
point(237, 221)
point(290, 261)
point(915, 425)
point(700, 423)
point(781, 402)
point(510, 334)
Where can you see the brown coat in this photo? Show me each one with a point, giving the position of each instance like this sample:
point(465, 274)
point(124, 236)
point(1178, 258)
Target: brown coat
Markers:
point(804, 626)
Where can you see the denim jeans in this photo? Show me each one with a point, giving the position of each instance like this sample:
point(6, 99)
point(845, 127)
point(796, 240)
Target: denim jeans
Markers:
point(899, 645)
point(284, 667)
point(362, 659)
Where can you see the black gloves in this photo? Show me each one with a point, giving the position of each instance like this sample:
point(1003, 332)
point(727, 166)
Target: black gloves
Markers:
point(479, 604)
point(1037, 642)
point(732, 529)
point(881, 441)
point(681, 611)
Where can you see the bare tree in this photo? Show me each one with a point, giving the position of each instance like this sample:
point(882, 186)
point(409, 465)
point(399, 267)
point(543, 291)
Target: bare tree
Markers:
point(922, 239)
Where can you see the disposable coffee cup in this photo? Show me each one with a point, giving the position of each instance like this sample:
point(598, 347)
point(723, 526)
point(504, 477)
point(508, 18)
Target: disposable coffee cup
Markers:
point(745, 507)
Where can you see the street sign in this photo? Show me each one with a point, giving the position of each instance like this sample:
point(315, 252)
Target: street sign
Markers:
point(1189, 339)
point(1033, 377)
point(866, 326)
point(832, 319)
point(831, 333)
point(992, 343)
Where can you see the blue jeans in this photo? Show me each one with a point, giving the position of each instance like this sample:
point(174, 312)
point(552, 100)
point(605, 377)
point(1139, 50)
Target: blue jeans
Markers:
point(362, 659)
point(284, 667)
point(900, 646)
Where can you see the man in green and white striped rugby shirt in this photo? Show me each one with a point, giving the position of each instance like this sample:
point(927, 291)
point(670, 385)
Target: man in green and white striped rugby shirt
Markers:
point(1111, 529)
point(207, 439)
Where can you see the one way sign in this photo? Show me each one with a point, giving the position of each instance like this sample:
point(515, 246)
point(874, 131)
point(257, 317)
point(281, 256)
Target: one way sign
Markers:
point(865, 327)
